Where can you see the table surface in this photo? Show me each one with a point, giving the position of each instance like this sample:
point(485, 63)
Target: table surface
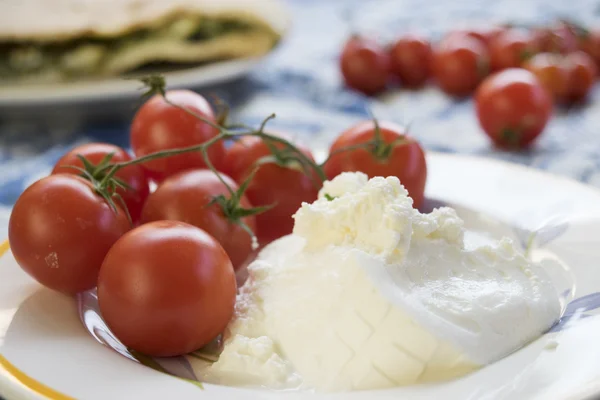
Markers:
point(300, 82)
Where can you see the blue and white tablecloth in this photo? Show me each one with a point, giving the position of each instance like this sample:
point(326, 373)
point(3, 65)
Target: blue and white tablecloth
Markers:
point(300, 82)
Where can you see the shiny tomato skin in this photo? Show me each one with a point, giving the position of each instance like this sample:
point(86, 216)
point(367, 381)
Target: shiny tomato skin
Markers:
point(133, 175)
point(160, 126)
point(364, 65)
point(459, 65)
point(406, 160)
point(185, 197)
point(550, 70)
point(513, 107)
point(410, 59)
point(511, 48)
point(284, 187)
point(60, 231)
point(166, 288)
point(581, 72)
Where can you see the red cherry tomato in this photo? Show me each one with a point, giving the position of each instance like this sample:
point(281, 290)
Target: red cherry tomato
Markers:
point(404, 159)
point(511, 48)
point(166, 288)
point(160, 126)
point(513, 107)
point(133, 175)
point(285, 187)
point(581, 71)
point(185, 197)
point(60, 231)
point(556, 39)
point(550, 70)
point(459, 65)
point(411, 59)
point(365, 65)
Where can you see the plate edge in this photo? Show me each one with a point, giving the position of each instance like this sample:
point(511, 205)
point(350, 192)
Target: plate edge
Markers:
point(13, 372)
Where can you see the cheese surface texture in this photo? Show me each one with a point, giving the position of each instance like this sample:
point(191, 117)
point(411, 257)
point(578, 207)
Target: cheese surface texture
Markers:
point(368, 293)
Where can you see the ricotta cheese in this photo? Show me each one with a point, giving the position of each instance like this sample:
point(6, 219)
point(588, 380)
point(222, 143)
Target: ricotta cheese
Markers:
point(368, 293)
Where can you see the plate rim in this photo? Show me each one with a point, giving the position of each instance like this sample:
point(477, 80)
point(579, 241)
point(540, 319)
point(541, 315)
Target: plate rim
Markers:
point(17, 382)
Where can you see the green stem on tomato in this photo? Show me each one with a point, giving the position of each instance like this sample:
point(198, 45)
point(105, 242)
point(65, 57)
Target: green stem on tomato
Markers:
point(230, 206)
point(302, 158)
point(259, 133)
point(156, 85)
point(163, 154)
point(381, 150)
point(377, 146)
point(211, 166)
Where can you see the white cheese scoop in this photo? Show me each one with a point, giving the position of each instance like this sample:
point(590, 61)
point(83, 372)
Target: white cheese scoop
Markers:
point(368, 293)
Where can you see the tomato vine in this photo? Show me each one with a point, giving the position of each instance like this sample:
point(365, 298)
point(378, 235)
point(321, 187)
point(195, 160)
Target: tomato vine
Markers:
point(283, 153)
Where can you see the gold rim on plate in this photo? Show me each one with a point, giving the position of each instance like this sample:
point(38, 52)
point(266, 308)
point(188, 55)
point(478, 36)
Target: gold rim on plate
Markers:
point(8, 369)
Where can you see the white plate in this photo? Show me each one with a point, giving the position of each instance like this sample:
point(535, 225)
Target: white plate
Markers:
point(45, 350)
point(118, 88)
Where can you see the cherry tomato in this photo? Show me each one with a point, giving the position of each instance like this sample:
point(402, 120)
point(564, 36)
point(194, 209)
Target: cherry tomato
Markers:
point(511, 48)
point(513, 107)
point(186, 196)
point(589, 42)
point(60, 231)
point(582, 73)
point(459, 65)
point(410, 60)
point(365, 65)
point(133, 175)
point(550, 70)
point(285, 187)
point(166, 288)
point(556, 39)
point(401, 156)
point(160, 126)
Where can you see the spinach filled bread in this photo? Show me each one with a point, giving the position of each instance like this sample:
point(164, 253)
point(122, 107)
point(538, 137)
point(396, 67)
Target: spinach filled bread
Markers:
point(57, 40)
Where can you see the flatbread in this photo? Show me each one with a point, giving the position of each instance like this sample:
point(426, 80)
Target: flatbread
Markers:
point(44, 40)
point(224, 47)
point(55, 20)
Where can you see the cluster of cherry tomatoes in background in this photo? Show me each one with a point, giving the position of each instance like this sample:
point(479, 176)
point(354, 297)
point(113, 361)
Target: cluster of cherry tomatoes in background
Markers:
point(166, 276)
point(506, 67)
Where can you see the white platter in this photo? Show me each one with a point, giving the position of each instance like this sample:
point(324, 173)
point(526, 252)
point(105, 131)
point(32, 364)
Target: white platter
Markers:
point(45, 351)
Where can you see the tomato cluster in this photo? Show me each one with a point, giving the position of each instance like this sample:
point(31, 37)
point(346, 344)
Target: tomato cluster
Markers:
point(513, 107)
point(164, 261)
